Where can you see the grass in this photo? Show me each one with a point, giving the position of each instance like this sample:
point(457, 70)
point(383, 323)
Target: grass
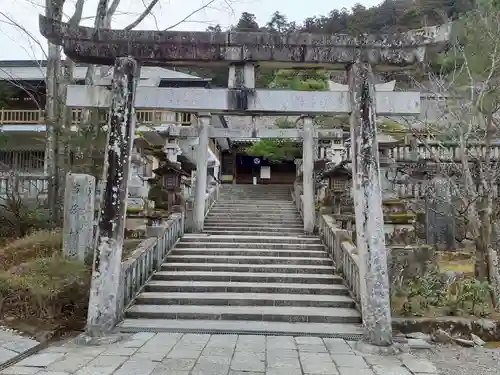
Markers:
point(41, 291)
point(456, 262)
point(36, 245)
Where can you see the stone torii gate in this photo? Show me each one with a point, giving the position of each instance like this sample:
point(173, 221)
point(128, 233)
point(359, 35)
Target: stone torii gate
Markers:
point(241, 52)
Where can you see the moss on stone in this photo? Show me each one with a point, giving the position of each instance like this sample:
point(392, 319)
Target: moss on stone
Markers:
point(399, 218)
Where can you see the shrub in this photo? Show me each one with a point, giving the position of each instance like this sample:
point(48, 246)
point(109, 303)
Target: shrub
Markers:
point(433, 295)
point(19, 216)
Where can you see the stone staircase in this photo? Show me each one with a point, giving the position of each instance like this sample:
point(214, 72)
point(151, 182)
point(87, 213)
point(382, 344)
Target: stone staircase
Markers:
point(252, 271)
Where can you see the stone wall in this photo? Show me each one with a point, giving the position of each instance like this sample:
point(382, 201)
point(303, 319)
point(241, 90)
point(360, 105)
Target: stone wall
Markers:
point(407, 262)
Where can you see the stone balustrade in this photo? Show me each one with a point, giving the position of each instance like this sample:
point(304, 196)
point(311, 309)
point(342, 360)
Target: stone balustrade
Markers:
point(150, 253)
point(344, 254)
point(296, 193)
point(147, 259)
point(432, 150)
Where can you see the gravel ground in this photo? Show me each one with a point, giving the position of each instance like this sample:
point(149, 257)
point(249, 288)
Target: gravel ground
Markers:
point(456, 360)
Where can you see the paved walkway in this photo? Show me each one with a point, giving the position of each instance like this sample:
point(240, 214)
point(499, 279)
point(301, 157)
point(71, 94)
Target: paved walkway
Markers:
point(13, 344)
point(191, 354)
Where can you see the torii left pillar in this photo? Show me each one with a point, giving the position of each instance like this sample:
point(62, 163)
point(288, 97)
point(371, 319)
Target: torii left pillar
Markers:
point(201, 172)
point(105, 293)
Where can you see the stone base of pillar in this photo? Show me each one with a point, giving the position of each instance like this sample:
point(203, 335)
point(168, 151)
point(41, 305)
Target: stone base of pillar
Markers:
point(390, 350)
point(108, 339)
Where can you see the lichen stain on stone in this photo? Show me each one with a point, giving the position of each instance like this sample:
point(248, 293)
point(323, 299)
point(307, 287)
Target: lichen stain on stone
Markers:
point(157, 47)
point(107, 262)
point(368, 208)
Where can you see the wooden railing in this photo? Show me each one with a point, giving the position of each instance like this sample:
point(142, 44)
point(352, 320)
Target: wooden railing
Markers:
point(32, 186)
point(20, 116)
point(343, 253)
point(144, 116)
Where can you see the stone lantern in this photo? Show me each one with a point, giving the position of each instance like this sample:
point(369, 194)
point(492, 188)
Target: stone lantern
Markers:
point(385, 145)
point(166, 186)
point(339, 185)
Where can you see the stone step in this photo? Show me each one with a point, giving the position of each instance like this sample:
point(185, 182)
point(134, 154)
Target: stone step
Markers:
point(250, 252)
point(251, 239)
point(251, 209)
point(255, 204)
point(257, 224)
point(253, 268)
point(345, 331)
point(269, 228)
point(248, 260)
point(254, 313)
point(249, 203)
point(246, 277)
point(271, 201)
point(246, 287)
point(257, 189)
point(268, 198)
point(279, 195)
point(250, 245)
point(256, 214)
point(256, 232)
point(244, 299)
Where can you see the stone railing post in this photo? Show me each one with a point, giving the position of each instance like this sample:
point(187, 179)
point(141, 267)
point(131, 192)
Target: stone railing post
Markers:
point(78, 228)
point(104, 293)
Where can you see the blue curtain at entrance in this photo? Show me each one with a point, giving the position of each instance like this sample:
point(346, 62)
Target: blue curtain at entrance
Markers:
point(246, 161)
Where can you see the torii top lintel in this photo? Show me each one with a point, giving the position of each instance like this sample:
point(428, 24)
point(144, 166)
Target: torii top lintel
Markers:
point(190, 48)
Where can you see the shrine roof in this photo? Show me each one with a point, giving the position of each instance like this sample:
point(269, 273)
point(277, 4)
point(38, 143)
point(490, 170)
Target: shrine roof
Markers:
point(341, 169)
point(168, 166)
point(304, 50)
point(35, 70)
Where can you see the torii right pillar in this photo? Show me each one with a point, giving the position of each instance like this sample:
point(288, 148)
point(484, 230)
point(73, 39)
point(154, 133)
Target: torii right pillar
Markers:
point(370, 242)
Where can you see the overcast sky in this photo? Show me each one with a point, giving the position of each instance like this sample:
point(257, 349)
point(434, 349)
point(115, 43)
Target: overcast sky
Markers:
point(15, 44)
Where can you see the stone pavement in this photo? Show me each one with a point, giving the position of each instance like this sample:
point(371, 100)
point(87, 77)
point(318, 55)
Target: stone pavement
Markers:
point(13, 344)
point(199, 354)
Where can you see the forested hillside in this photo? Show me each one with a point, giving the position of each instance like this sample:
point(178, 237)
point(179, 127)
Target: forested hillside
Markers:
point(389, 16)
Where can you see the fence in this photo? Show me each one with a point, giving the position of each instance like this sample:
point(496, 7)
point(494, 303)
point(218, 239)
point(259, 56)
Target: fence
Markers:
point(30, 186)
point(144, 116)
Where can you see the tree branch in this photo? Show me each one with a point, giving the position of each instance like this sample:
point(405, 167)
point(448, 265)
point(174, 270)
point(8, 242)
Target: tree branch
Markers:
point(143, 15)
point(191, 14)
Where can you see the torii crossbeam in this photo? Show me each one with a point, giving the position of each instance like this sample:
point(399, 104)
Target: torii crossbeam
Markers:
point(242, 51)
point(293, 50)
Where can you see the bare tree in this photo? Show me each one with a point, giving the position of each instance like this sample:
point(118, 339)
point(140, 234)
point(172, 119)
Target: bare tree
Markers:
point(469, 88)
point(91, 136)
